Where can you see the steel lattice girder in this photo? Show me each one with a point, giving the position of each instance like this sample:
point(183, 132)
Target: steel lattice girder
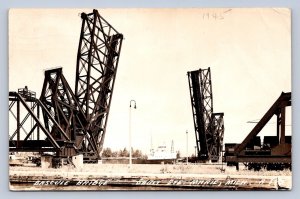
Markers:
point(53, 132)
point(59, 100)
point(209, 127)
point(279, 153)
point(278, 109)
point(43, 140)
point(218, 134)
point(97, 61)
point(197, 108)
point(73, 123)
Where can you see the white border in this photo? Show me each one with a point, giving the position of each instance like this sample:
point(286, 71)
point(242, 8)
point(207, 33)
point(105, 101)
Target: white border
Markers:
point(6, 4)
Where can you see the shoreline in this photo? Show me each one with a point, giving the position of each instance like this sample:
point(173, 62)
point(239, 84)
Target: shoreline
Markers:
point(161, 177)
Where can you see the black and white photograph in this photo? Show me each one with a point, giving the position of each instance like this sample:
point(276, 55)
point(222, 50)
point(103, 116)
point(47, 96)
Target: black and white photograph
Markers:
point(173, 99)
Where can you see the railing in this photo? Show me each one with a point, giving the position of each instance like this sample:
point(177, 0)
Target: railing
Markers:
point(24, 92)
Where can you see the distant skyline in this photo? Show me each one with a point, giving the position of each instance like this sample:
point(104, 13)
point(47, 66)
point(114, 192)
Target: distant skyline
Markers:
point(248, 50)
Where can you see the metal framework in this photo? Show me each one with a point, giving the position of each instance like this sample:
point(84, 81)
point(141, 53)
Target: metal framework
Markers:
point(59, 100)
point(30, 133)
point(218, 135)
point(72, 122)
point(209, 126)
point(275, 149)
point(97, 60)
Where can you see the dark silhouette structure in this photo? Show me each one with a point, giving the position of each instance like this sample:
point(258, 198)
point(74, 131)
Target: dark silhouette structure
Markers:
point(64, 121)
point(274, 152)
point(209, 126)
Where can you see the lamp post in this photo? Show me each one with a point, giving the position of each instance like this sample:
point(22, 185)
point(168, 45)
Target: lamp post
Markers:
point(130, 153)
point(187, 146)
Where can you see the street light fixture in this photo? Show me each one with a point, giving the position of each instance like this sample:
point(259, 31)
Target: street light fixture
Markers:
point(187, 146)
point(130, 153)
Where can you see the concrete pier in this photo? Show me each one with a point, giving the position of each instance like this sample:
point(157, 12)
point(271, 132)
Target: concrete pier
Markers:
point(78, 161)
point(46, 162)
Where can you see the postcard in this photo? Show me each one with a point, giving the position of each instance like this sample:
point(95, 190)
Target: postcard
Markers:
point(150, 99)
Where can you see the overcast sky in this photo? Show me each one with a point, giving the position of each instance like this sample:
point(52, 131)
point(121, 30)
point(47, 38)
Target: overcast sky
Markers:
point(248, 50)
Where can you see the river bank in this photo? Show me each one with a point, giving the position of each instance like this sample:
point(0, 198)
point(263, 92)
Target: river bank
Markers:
point(147, 177)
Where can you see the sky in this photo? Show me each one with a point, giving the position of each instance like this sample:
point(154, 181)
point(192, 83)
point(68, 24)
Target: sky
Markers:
point(248, 51)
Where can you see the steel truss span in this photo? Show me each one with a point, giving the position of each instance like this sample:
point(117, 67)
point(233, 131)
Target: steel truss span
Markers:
point(209, 126)
point(97, 60)
point(65, 121)
point(275, 151)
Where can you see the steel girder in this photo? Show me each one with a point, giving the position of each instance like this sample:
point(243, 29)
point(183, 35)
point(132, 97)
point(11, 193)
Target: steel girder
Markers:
point(276, 152)
point(197, 108)
point(218, 135)
point(97, 60)
point(60, 102)
point(57, 98)
point(31, 133)
point(209, 127)
point(278, 109)
point(73, 123)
